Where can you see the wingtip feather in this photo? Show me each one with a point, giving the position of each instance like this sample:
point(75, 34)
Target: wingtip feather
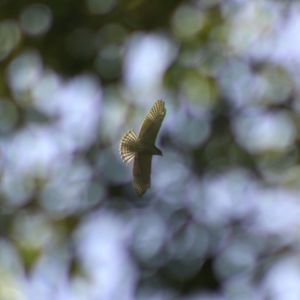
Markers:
point(126, 146)
point(158, 110)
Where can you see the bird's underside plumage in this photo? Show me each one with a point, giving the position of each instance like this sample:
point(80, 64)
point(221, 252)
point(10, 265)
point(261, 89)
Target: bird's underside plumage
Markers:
point(141, 148)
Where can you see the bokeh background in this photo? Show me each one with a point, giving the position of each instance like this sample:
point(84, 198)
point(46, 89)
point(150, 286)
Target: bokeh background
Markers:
point(222, 219)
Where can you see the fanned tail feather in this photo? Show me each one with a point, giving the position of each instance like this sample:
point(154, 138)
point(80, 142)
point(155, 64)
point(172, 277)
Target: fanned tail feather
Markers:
point(127, 146)
point(140, 188)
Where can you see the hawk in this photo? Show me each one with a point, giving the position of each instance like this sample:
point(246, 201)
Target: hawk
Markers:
point(141, 148)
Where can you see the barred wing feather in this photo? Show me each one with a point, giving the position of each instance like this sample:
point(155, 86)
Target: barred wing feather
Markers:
point(127, 146)
point(152, 122)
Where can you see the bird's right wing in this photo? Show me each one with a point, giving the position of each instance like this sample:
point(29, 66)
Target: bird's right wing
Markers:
point(152, 122)
point(142, 173)
point(127, 146)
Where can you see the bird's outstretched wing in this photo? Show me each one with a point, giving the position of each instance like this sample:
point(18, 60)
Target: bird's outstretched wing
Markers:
point(142, 173)
point(127, 146)
point(152, 122)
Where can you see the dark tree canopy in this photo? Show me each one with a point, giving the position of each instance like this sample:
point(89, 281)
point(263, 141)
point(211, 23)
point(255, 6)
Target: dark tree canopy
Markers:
point(222, 216)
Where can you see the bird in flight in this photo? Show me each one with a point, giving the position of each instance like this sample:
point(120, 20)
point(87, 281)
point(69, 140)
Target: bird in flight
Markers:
point(141, 148)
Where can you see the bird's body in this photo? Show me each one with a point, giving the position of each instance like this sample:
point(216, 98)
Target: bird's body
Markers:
point(141, 148)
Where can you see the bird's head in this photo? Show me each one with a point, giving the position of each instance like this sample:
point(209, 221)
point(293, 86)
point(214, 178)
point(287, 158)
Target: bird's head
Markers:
point(157, 151)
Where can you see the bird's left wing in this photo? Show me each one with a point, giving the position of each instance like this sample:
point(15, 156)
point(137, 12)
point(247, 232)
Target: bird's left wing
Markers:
point(152, 122)
point(142, 173)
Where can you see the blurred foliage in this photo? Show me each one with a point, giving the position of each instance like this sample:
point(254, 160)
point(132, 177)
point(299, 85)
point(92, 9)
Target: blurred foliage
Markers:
point(221, 220)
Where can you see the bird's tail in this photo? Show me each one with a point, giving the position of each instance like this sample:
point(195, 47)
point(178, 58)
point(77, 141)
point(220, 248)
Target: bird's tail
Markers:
point(127, 146)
